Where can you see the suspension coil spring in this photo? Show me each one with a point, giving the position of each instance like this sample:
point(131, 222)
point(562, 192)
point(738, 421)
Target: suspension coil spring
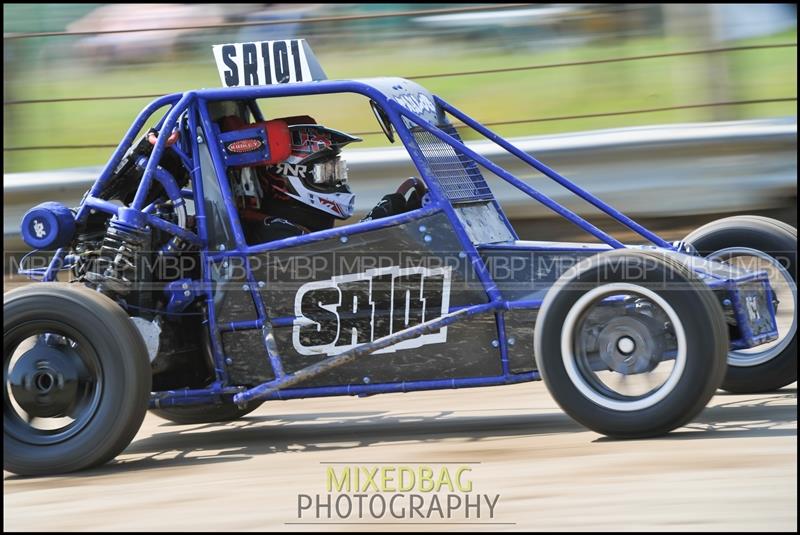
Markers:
point(115, 268)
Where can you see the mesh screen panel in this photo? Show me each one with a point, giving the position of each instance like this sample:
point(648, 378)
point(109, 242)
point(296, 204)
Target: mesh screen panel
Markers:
point(457, 174)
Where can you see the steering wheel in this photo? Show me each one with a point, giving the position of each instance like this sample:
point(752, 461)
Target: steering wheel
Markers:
point(414, 183)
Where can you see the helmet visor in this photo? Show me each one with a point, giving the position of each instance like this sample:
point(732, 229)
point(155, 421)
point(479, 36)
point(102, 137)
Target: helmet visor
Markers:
point(329, 173)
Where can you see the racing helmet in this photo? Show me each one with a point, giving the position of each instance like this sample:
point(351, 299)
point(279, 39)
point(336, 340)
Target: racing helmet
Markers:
point(314, 173)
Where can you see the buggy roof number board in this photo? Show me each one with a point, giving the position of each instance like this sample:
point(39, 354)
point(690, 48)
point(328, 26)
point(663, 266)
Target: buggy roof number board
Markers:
point(267, 63)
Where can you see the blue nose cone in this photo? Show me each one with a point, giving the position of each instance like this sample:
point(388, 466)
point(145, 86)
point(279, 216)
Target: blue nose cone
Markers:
point(49, 225)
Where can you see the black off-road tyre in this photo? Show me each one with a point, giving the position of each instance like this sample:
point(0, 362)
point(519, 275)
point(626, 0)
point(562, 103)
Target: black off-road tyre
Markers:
point(779, 241)
point(693, 306)
point(102, 382)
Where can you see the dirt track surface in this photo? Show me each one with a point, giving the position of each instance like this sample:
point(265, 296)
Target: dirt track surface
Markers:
point(734, 468)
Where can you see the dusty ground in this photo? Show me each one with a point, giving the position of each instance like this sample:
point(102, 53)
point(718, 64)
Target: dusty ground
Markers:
point(735, 468)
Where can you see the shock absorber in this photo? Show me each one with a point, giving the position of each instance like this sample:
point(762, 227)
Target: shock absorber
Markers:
point(119, 265)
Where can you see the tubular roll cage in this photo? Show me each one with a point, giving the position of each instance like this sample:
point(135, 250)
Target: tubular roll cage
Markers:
point(196, 102)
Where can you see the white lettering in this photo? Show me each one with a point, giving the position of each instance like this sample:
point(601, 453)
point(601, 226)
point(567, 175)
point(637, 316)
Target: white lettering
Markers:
point(335, 315)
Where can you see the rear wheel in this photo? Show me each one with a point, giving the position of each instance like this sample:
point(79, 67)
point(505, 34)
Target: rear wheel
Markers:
point(77, 379)
point(631, 344)
point(758, 243)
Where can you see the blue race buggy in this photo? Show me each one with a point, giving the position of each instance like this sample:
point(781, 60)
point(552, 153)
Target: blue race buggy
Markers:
point(167, 307)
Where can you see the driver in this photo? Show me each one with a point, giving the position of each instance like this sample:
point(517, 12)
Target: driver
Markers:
point(308, 191)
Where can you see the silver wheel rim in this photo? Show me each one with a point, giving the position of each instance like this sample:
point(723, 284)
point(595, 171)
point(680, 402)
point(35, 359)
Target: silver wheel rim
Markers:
point(785, 290)
point(568, 333)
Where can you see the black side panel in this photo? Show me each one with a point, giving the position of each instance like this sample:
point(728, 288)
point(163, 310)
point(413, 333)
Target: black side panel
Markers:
point(342, 292)
point(519, 335)
point(468, 353)
point(250, 365)
point(526, 274)
point(232, 301)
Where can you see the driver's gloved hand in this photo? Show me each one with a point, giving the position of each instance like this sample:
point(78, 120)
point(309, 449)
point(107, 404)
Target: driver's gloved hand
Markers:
point(391, 204)
point(271, 229)
point(414, 201)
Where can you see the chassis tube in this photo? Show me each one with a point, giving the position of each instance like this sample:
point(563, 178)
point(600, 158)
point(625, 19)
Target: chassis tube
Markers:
point(222, 177)
point(161, 143)
point(550, 173)
point(204, 397)
point(511, 179)
point(405, 386)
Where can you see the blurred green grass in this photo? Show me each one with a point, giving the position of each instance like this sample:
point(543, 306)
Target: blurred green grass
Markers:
point(756, 74)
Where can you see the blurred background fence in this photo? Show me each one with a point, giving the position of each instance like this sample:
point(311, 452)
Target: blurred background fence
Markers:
point(75, 75)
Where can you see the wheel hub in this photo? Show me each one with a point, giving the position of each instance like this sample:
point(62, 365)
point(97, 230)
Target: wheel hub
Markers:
point(45, 381)
point(631, 344)
point(626, 345)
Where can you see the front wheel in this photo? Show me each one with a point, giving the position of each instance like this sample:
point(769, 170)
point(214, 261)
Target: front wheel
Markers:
point(631, 344)
point(756, 243)
point(77, 379)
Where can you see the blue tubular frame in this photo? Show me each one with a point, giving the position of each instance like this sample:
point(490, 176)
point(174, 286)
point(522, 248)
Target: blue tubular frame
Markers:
point(170, 122)
point(198, 120)
point(202, 229)
point(178, 102)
